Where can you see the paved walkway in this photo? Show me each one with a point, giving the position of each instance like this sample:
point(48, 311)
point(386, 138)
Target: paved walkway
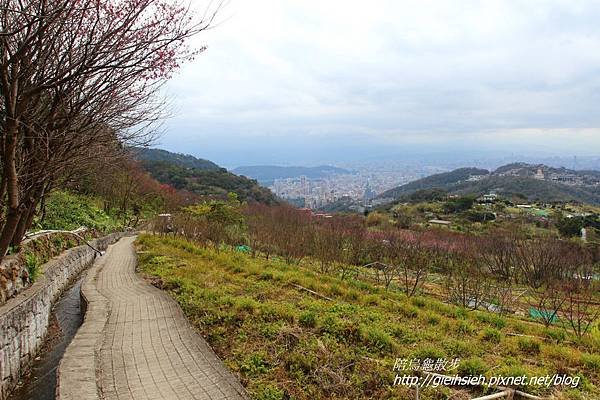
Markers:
point(147, 349)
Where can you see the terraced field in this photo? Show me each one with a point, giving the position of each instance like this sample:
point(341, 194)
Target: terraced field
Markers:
point(289, 331)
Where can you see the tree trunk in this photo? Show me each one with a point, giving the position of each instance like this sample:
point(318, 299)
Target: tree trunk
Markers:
point(12, 187)
point(8, 230)
point(24, 223)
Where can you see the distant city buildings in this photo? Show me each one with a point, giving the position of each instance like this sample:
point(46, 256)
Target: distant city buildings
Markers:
point(540, 174)
point(557, 175)
point(488, 198)
point(361, 188)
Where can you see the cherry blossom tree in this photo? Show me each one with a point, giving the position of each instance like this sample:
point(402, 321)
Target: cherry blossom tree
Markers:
point(79, 80)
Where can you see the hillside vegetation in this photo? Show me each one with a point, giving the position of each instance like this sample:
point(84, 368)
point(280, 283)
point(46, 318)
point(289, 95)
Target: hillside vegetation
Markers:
point(200, 177)
point(510, 180)
point(285, 342)
point(182, 160)
point(207, 182)
point(350, 290)
point(68, 211)
point(443, 180)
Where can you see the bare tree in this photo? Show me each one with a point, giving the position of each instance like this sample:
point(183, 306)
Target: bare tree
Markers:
point(326, 246)
point(580, 309)
point(539, 261)
point(467, 282)
point(498, 252)
point(410, 259)
point(78, 80)
point(548, 301)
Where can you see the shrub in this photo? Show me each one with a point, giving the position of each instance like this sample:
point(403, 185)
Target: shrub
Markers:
point(492, 335)
point(245, 304)
point(472, 366)
point(591, 361)
point(464, 328)
point(32, 262)
point(371, 300)
point(461, 313)
point(376, 339)
point(497, 321)
point(336, 290)
point(270, 330)
point(376, 218)
point(429, 352)
point(562, 356)
point(269, 392)
point(408, 311)
point(404, 335)
point(419, 302)
point(265, 276)
point(308, 319)
point(519, 327)
point(271, 311)
point(557, 335)
point(515, 370)
point(529, 345)
point(299, 364)
point(457, 348)
point(432, 318)
point(330, 324)
point(442, 308)
point(65, 210)
point(255, 364)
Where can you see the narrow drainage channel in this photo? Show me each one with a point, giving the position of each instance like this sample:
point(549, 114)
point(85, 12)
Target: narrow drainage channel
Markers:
point(66, 318)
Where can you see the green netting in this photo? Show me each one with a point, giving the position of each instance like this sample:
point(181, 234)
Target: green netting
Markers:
point(542, 314)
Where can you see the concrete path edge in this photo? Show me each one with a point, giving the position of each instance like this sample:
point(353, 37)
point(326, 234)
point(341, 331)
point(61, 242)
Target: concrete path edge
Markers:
point(107, 291)
point(77, 375)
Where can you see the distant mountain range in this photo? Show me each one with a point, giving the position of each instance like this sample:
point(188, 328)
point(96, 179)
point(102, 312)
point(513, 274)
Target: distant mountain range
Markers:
point(199, 176)
point(266, 174)
point(534, 182)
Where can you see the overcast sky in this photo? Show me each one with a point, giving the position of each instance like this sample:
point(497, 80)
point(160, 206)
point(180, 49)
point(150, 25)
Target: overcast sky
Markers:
point(302, 80)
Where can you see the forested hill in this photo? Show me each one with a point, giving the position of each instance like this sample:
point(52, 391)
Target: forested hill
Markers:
point(534, 182)
point(182, 160)
point(437, 181)
point(201, 177)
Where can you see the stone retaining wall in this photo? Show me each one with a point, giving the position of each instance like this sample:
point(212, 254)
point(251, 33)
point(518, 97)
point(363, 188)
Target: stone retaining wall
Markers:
point(24, 319)
point(14, 272)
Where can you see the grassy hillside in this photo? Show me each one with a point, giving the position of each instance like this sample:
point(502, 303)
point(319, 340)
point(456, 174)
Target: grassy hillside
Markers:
point(284, 342)
point(208, 182)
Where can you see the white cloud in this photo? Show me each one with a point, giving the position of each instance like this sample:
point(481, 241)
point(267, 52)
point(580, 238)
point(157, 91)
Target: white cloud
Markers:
point(390, 70)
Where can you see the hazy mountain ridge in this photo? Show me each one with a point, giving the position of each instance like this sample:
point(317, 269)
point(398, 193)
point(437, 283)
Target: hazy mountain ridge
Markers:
point(535, 182)
point(269, 173)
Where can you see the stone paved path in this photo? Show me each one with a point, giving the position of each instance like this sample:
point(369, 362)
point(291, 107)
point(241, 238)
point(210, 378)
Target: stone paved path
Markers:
point(148, 349)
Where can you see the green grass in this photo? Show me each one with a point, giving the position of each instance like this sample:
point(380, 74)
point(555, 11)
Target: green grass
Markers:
point(68, 211)
point(37, 252)
point(284, 343)
point(33, 264)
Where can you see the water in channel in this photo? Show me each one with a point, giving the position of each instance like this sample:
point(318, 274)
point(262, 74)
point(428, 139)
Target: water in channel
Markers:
point(66, 318)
